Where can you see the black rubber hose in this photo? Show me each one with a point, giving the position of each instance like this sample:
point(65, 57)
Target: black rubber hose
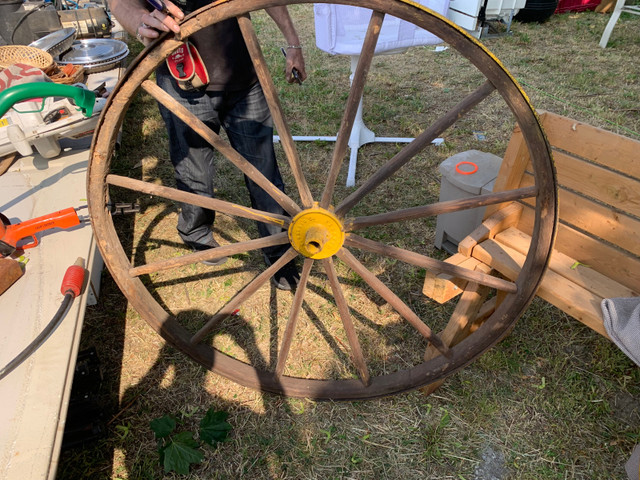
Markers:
point(40, 339)
point(24, 17)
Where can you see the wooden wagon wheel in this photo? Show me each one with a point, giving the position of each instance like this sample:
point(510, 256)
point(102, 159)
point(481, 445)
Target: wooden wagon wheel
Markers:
point(322, 229)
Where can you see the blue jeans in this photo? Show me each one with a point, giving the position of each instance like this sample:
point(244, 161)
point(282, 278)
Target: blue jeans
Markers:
point(246, 119)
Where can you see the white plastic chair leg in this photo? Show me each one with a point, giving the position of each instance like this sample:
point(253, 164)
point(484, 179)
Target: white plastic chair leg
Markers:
point(612, 23)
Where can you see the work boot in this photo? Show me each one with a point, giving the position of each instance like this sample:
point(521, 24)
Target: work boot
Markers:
point(287, 278)
point(215, 262)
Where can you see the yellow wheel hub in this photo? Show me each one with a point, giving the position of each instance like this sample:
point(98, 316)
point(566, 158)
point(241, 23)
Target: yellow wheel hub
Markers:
point(316, 233)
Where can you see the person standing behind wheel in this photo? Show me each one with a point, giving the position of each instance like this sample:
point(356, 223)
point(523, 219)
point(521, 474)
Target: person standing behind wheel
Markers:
point(232, 99)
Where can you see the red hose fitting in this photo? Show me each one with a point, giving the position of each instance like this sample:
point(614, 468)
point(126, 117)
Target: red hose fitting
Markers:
point(73, 278)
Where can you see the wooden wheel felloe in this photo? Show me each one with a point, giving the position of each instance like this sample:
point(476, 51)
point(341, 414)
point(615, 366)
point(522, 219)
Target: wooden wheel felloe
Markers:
point(340, 254)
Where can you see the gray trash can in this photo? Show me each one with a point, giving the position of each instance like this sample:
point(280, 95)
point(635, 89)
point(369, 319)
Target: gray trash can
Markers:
point(464, 175)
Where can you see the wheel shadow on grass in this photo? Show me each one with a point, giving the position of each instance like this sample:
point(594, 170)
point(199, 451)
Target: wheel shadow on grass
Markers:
point(176, 386)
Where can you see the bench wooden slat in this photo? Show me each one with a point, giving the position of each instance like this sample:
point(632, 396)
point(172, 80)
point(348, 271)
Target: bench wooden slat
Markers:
point(564, 265)
point(595, 144)
point(601, 257)
point(568, 297)
point(603, 222)
point(598, 183)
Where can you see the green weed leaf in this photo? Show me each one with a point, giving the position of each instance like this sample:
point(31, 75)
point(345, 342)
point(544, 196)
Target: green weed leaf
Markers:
point(163, 426)
point(578, 264)
point(213, 427)
point(180, 452)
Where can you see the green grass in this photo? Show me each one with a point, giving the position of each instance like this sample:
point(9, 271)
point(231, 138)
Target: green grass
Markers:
point(552, 401)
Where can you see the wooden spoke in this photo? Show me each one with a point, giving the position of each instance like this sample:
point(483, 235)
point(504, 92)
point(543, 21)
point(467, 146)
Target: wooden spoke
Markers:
point(392, 299)
point(223, 147)
point(355, 94)
point(441, 208)
point(416, 146)
point(430, 263)
point(199, 200)
point(275, 107)
point(242, 296)
point(347, 322)
point(290, 329)
point(211, 254)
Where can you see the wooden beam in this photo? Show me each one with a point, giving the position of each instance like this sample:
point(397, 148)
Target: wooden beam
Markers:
point(460, 323)
point(442, 287)
point(569, 297)
point(605, 6)
point(515, 161)
point(504, 218)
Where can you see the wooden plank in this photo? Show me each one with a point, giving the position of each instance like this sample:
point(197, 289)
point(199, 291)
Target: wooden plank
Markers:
point(606, 259)
point(605, 6)
point(600, 146)
point(565, 266)
point(442, 287)
point(459, 324)
point(468, 306)
point(504, 218)
point(567, 296)
point(7, 161)
point(10, 271)
point(486, 310)
point(600, 221)
point(514, 163)
point(599, 183)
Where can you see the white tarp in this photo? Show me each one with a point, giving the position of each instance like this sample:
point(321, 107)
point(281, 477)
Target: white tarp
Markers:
point(340, 29)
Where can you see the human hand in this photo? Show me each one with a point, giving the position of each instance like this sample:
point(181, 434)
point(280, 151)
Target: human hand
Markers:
point(154, 22)
point(295, 59)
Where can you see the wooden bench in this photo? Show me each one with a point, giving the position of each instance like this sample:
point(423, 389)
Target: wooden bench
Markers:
point(597, 250)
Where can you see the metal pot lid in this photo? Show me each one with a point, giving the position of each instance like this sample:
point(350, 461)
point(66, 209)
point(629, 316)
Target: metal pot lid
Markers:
point(94, 50)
